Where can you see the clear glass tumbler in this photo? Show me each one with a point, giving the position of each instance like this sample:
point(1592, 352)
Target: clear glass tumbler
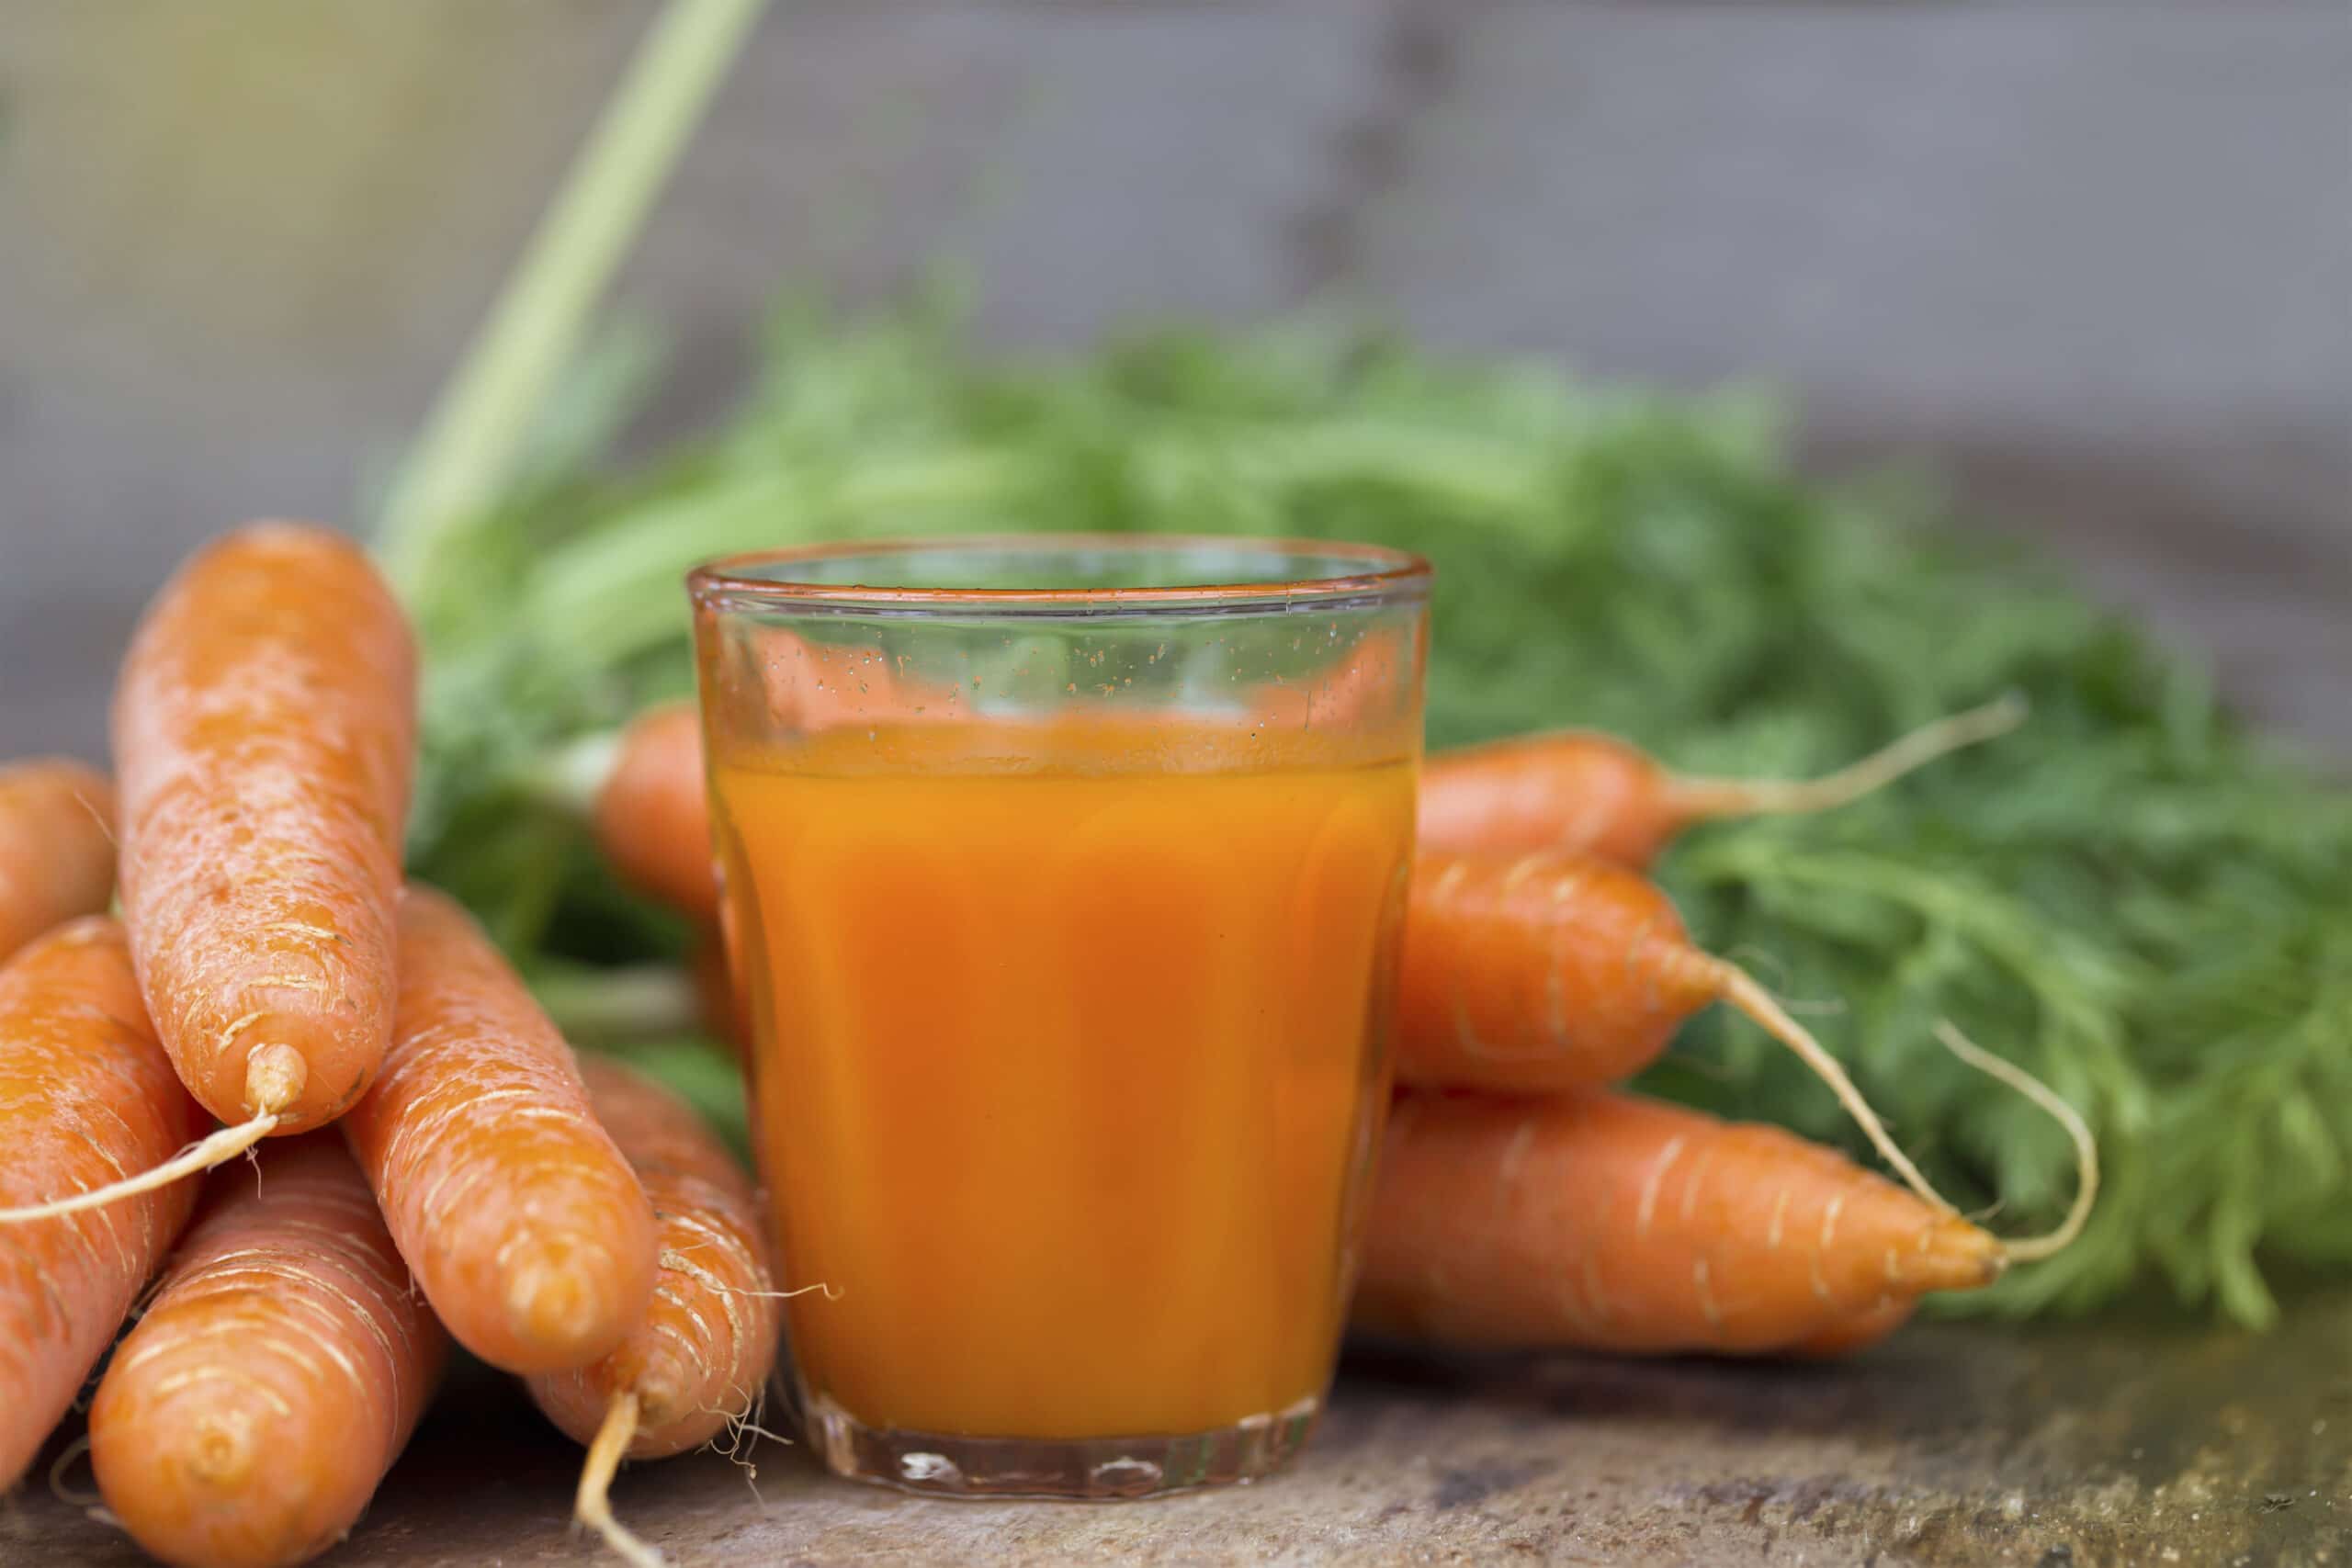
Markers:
point(1063, 876)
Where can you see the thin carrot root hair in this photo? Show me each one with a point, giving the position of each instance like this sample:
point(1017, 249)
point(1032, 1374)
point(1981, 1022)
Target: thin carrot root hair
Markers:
point(2032, 1249)
point(830, 1293)
point(742, 1428)
point(592, 1504)
point(746, 1424)
point(741, 1432)
point(219, 1148)
point(1741, 990)
point(1696, 799)
point(79, 1449)
point(275, 1077)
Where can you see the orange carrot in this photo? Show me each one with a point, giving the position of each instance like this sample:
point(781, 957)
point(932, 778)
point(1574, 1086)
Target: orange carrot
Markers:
point(1576, 790)
point(652, 817)
point(522, 1222)
point(1548, 972)
point(701, 1356)
point(1858, 1333)
point(1582, 790)
point(56, 846)
point(647, 799)
point(1551, 971)
point(1601, 1221)
point(264, 730)
point(85, 1093)
point(246, 1420)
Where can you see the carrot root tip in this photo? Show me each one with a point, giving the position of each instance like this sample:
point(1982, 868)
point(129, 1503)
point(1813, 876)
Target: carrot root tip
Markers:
point(554, 1300)
point(592, 1504)
point(276, 1075)
point(221, 1454)
point(660, 1399)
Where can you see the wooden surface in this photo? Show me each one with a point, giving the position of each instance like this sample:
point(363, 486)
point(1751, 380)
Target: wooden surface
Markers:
point(2092, 262)
point(2114, 1446)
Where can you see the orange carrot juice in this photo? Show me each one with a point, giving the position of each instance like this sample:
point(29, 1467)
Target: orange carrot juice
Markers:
point(1067, 1059)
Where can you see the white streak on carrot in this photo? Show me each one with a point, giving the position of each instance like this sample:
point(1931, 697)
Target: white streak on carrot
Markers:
point(1827, 1239)
point(1555, 975)
point(1712, 1313)
point(1650, 1184)
point(1692, 1183)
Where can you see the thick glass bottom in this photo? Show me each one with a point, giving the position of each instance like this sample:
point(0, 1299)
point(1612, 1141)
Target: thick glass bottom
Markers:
point(1083, 1468)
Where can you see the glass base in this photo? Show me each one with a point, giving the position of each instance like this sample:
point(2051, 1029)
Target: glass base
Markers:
point(1082, 1469)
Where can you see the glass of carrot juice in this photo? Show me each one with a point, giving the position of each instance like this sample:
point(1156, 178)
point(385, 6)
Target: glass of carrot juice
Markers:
point(1063, 878)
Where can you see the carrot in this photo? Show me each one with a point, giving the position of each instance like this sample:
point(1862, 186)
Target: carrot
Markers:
point(701, 1356)
point(265, 728)
point(645, 787)
point(1583, 790)
point(651, 817)
point(85, 1093)
point(1859, 1333)
point(522, 1222)
point(56, 846)
point(1574, 790)
point(1550, 971)
point(249, 1416)
point(1601, 1221)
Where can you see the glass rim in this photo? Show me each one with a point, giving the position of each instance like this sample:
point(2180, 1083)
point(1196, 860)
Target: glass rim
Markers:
point(1389, 576)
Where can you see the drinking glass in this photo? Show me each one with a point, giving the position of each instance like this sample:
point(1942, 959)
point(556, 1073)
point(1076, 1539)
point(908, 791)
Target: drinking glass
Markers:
point(1062, 877)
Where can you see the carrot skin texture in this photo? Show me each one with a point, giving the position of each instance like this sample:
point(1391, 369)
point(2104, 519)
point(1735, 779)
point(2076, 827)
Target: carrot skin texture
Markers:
point(1573, 789)
point(703, 1351)
point(1584, 791)
point(1540, 972)
point(523, 1223)
point(1600, 1221)
point(85, 1093)
point(264, 730)
point(247, 1419)
point(56, 846)
point(651, 818)
point(1859, 1333)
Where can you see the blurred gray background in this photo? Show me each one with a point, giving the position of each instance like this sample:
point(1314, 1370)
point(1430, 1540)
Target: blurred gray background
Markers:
point(2092, 261)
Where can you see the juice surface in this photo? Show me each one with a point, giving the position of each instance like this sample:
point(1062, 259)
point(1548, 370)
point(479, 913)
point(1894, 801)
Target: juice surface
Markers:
point(1069, 1067)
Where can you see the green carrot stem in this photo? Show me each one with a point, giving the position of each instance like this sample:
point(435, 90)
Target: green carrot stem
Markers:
point(486, 411)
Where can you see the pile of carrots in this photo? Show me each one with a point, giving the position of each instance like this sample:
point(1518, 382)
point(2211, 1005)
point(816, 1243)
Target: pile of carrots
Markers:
point(1521, 1202)
point(431, 1163)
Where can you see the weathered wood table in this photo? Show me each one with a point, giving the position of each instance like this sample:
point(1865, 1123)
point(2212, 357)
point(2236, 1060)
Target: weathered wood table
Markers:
point(2109, 1445)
